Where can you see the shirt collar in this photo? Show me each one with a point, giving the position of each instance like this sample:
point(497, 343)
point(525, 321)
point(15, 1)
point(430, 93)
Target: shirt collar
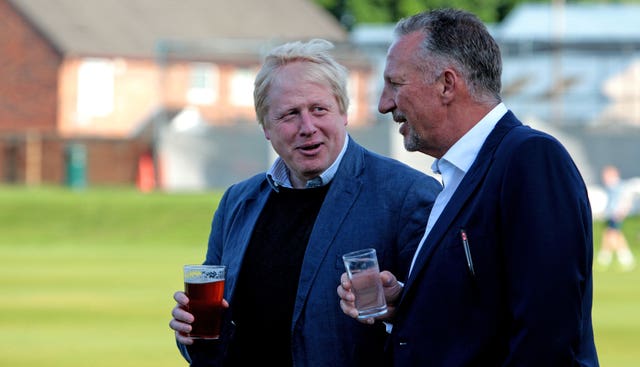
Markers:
point(278, 174)
point(464, 152)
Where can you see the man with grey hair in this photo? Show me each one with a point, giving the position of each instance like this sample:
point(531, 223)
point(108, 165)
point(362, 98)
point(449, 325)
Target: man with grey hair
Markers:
point(282, 232)
point(502, 275)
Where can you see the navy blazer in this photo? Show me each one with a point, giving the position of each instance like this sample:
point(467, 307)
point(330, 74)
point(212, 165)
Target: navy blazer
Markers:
point(525, 210)
point(373, 201)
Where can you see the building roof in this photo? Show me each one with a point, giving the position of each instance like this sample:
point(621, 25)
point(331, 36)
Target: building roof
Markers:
point(583, 85)
point(541, 22)
point(136, 27)
point(572, 22)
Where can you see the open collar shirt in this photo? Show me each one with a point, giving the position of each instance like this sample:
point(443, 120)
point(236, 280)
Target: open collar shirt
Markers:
point(455, 163)
point(278, 174)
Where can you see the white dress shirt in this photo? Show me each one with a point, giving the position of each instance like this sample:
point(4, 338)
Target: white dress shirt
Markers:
point(456, 162)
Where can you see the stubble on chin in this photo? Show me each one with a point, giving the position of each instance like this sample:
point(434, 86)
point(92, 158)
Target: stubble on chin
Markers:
point(412, 142)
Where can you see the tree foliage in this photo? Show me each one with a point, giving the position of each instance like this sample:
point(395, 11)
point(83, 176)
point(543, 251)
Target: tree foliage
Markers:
point(351, 12)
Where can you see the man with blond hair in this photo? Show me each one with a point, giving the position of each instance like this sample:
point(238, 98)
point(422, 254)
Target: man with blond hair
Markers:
point(282, 233)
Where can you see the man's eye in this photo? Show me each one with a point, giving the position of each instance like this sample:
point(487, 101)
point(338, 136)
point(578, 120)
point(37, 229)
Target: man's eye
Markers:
point(393, 83)
point(288, 114)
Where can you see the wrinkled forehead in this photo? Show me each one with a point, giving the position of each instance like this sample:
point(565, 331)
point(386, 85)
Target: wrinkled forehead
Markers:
point(406, 44)
point(403, 55)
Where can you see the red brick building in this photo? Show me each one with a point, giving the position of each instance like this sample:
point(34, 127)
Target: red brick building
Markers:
point(88, 79)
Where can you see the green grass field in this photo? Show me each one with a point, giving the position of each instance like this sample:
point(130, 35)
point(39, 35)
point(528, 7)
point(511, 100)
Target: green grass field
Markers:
point(87, 278)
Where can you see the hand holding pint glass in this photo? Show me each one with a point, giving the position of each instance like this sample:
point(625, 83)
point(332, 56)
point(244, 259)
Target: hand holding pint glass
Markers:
point(362, 270)
point(204, 285)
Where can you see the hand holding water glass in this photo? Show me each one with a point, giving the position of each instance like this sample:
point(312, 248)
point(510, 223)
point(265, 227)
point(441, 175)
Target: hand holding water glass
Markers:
point(364, 274)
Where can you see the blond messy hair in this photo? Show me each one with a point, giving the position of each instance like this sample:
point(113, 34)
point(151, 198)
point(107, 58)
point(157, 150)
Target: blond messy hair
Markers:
point(322, 68)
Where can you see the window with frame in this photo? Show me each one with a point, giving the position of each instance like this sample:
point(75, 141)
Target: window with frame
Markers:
point(242, 87)
point(203, 84)
point(96, 79)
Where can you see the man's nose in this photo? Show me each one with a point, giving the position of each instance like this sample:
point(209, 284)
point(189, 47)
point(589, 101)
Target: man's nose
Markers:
point(386, 103)
point(307, 125)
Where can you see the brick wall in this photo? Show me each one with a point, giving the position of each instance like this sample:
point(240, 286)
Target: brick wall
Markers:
point(28, 71)
point(36, 159)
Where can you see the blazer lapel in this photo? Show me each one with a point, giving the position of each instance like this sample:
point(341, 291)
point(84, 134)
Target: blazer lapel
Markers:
point(241, 231)
point(344, 190)
point(463, 193)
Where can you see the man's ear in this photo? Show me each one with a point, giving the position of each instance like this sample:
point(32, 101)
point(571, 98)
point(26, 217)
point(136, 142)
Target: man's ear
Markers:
point(450, 81)
point(267, 135)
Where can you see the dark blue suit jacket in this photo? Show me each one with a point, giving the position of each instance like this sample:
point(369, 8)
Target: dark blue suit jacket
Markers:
point(524, 207)
point(374, 202)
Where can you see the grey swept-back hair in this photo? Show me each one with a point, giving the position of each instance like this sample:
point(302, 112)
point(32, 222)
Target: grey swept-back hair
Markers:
point(458, 38)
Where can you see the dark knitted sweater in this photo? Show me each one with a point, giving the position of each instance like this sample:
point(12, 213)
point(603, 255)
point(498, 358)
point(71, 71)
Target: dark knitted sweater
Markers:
point(265, 294)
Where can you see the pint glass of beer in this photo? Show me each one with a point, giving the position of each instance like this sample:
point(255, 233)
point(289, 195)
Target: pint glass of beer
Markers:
point(204, 285)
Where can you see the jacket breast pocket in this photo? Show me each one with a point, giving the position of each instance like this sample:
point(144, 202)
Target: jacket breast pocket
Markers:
point(462, 251)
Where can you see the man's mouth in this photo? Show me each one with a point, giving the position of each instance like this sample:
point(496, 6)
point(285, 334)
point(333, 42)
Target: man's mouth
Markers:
point(400, 119)
point(310, 147)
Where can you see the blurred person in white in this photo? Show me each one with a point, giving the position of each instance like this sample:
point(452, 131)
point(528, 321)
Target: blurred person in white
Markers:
point(615, 212)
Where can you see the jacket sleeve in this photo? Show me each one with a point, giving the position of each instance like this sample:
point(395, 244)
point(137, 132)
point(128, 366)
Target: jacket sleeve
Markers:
point(204, 353)
point(545, 222)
